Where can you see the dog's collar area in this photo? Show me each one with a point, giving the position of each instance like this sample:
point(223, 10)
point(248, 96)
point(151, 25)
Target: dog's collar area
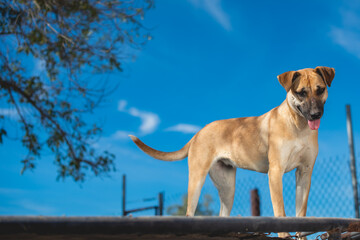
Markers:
point(291, 101)
point(298, 108)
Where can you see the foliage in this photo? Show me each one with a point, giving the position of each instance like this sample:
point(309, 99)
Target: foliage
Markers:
point(68, 39)
point(203, 208)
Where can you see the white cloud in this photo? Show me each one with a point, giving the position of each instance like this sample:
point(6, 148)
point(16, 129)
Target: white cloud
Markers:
point(39, 67)
point(348, 36)
point(36, 208)
point(121, 105)
point(149, 121)
point(214, 9)
point(10, 113)
point(12, 191)
point(184, 128)
point(348, 39)
point(350, 19)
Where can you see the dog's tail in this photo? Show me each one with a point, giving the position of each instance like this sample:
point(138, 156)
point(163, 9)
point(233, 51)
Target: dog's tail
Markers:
point(165, 156)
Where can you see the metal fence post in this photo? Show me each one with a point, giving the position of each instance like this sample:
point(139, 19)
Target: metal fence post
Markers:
point(352, 159)
point(161, 203)
point(255, 202)
point(124, 195)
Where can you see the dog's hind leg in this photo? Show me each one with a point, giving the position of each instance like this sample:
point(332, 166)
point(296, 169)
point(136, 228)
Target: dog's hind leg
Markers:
point(196, 181)
point(199, 166)
point(223, 176)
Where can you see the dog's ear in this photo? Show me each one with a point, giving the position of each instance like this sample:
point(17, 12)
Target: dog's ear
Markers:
point(326, 73)
point(286, 79)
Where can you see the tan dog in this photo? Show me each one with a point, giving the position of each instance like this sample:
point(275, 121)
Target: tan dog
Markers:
point(277, 142)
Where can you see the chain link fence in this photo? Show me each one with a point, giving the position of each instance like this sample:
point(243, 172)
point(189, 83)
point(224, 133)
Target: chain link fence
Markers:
point(331, 193)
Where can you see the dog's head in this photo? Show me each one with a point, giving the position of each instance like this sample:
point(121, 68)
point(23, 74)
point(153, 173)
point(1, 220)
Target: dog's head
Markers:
point(307, 92)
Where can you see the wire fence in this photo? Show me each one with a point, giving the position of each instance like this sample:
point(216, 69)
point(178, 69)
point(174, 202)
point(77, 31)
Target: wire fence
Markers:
point(331, 193)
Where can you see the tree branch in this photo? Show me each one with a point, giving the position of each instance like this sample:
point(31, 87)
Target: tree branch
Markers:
point(11, 85)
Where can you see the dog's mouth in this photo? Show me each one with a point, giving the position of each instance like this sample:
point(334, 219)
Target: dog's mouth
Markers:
point(314, 124)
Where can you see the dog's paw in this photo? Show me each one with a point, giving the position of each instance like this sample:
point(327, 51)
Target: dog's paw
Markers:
point(284, 235)
point(298, 234)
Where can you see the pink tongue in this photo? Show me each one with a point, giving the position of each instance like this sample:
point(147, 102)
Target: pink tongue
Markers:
point(314, 125)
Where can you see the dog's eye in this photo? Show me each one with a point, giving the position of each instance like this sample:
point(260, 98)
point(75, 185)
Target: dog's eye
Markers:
point(302, 93)
point(320, 91)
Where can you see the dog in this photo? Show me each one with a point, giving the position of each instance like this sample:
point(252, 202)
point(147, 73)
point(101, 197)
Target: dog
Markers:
point(275, 143)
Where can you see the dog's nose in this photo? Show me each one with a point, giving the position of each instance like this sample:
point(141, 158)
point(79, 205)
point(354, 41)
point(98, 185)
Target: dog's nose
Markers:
point(315, 116)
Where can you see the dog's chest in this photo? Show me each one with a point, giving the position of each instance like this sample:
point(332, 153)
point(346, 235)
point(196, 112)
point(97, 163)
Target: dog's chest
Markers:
point(297, 152)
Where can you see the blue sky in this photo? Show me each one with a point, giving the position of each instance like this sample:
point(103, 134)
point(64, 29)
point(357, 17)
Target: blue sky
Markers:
point(208, 60)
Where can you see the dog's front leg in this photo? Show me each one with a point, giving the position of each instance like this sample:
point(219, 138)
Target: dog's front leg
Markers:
point(303, 182)
point(276, 191)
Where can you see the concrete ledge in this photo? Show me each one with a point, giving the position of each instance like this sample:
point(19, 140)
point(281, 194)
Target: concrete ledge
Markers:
point(38, 226)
